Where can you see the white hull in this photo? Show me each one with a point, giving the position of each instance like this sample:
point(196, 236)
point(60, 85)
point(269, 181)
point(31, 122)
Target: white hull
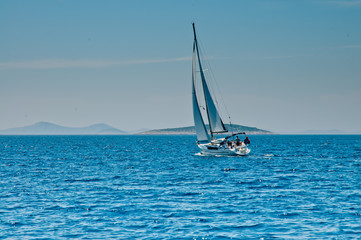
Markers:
point(216, 149)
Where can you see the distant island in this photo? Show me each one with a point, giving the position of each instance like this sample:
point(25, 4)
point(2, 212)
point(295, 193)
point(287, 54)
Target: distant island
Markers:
point(46, 128)
point(191, 130)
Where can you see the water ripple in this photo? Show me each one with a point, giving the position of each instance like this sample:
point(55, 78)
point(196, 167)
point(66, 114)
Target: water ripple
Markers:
point(147, 187)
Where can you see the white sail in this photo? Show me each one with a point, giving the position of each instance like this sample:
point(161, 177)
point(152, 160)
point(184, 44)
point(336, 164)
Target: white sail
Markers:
point(215, 122)
point(201, 131)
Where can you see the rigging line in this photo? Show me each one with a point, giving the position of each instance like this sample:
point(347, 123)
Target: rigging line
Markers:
point(219, 90)
point(222, 99)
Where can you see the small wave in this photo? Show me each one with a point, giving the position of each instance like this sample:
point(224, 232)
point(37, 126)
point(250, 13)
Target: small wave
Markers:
point(191, 194)
point(289, 215)
point(84, 180)
point(269, 155)
point(256, 225)
point(13, 223)
point(228, 169)
point(186, 194)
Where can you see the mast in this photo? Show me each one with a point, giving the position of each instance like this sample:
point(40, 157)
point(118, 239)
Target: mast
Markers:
point(194, 32)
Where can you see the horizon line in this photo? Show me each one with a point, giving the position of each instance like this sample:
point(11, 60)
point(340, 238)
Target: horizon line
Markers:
point(306, 132)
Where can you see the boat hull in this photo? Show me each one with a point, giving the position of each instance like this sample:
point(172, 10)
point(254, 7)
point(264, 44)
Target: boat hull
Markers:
point(213, 150)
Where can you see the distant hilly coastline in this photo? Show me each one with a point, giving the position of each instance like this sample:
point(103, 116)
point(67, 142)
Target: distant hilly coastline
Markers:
point(46, 128)
point(191, 130)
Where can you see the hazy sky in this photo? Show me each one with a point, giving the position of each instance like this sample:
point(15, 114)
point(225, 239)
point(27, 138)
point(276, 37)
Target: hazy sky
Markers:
point(284, 66)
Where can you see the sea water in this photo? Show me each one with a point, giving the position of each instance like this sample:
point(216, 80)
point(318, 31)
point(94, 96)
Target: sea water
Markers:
point(158, 187)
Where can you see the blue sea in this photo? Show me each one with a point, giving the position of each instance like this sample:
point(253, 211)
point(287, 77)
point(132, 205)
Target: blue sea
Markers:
point(158, 187)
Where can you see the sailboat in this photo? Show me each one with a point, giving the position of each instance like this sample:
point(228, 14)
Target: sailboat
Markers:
point(207, 140)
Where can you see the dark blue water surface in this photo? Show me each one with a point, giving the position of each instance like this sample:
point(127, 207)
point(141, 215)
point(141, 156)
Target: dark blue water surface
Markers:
point(157, 187)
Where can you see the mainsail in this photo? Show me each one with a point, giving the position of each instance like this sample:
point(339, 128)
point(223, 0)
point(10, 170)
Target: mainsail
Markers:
point(215, 122)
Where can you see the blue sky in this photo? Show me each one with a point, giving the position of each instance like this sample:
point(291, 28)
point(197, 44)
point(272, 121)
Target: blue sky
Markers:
point(284, 66)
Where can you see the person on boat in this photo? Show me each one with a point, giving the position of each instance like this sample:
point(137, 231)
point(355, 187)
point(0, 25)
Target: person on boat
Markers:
point(247, 141)
point(238, 141)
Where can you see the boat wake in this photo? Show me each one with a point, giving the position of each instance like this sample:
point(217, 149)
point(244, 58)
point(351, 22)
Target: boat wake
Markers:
point(200, 154)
